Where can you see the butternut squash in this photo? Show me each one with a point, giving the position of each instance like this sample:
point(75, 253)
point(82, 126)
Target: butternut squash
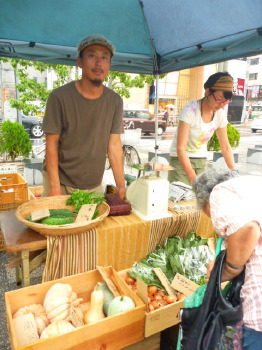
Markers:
point(95, 311)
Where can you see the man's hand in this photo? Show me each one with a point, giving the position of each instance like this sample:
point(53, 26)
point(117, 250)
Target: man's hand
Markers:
point(120, 192)
point(55, 191)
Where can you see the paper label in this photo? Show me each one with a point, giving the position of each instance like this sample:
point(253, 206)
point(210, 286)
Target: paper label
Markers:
point(40, 214)
point(142, 291)
point(86, 213)
point(184, 285)
point(108, 281)
point(75, 319)
point(163, 279)
point(25, 329)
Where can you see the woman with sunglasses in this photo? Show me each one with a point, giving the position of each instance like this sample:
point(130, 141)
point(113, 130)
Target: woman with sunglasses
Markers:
point(198, 121)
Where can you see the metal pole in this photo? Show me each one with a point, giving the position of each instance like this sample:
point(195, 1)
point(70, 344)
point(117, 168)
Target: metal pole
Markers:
point(156, 118)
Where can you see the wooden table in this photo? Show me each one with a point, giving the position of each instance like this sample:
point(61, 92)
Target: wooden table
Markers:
point(118, 241)
point(28, 248)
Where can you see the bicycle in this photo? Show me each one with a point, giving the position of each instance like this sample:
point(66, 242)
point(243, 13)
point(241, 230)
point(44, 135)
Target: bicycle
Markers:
point(131, 156)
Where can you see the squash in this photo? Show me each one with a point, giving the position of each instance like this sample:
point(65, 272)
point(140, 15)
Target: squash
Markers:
point(95, 311)
point(108, 296)
point(58, 301)
point(120, 304)
point(39, 314)
point(57, 328)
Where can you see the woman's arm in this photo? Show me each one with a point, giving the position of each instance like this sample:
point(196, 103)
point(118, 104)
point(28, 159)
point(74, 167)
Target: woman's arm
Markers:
point(182, 139)
point(52, 164)
point(226, 148)
point(240, 246)
point(115, 155)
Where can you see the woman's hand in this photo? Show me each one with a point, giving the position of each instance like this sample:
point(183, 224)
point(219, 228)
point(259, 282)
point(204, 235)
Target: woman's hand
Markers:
point(209, 269)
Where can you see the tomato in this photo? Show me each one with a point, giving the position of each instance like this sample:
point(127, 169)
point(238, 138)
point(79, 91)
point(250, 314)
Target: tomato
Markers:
point(170, 299)
point(152, 289)
point(181, 296)
point(130, 280)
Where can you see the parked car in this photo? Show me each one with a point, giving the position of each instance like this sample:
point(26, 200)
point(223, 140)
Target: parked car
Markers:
point(256, 124)
point(142, 119)
point(33, 125)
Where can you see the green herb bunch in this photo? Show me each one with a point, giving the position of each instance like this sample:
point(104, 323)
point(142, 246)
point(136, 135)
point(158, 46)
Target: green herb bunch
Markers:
point(80, 197)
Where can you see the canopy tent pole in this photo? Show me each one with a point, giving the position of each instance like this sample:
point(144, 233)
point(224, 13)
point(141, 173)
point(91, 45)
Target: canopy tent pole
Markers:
point(156, 119)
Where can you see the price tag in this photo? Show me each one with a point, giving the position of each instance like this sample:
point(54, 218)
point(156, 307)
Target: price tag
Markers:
point(86, 213)
point(142, 292)
point(163, 279)
point(75, 319)
point(108, 281)
point(25, 329)
point(40, 214)
point(184, 285)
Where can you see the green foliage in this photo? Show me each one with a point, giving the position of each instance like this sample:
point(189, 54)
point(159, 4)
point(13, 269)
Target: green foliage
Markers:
point(233, 137)
point(14, 140)
point(31, 91)
point(80, 197)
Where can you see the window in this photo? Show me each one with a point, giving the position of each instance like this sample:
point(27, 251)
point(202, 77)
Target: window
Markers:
point(253, 76)
point(254, 61)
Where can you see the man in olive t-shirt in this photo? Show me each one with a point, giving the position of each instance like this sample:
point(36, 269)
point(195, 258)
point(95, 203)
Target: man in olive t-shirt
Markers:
point(83, 122)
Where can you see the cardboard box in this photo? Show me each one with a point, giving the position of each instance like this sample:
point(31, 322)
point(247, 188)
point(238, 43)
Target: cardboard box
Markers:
point(114, 332)
point(158, 320)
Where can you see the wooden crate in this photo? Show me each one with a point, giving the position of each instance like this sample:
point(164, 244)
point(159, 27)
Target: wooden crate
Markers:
point(158, 320)
point(114, 332)
point(150, 343)
point(13, 190)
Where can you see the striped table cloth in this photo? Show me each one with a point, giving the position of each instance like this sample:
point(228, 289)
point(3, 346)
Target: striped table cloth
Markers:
point(118, 241)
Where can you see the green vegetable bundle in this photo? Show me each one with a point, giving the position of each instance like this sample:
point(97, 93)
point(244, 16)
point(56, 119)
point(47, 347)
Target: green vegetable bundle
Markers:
point(189, 257)
point(80, 197)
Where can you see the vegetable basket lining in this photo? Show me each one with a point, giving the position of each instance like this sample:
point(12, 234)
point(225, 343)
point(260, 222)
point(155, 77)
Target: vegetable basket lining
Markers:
point(57, 202)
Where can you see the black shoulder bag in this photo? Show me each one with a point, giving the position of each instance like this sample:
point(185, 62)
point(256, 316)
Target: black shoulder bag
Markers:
point(217, 323)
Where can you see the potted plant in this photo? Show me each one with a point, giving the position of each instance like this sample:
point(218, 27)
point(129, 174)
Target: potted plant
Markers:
point(233, 137)
point(14, 141)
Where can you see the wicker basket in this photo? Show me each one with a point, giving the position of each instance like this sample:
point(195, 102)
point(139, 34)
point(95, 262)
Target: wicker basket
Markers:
point(57, 202)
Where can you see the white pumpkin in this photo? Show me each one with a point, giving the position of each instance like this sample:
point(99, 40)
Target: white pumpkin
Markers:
point(58, 301)
point(39, 314)
point(57, 328)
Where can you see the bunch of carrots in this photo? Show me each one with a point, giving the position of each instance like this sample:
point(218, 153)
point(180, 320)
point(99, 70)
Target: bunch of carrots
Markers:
point(156, 297)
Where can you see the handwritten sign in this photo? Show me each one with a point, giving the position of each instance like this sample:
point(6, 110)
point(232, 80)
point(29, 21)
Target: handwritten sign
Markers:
point(160, 274)
point(40, 214)
point(184, 285)
point(25, 329)
point(74, 317)
point(86, 213)
point(108, 281)
point(142, 292)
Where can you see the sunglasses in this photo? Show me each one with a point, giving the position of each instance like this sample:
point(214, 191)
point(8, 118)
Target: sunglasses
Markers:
point(221, 101)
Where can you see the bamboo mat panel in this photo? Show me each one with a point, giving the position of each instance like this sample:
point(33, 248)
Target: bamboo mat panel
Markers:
point(63, 250)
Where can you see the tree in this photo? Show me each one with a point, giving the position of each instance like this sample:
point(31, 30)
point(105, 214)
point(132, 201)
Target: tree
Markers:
point(31, 91)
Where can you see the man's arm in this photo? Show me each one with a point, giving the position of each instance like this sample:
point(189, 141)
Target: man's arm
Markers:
point(115, 155)
point(52, 164)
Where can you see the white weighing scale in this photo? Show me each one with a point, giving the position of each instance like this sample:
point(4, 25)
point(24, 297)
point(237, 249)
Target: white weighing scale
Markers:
point(148, 195)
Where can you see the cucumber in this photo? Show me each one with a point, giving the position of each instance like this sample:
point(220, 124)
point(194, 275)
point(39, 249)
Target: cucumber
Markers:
point(58, 221)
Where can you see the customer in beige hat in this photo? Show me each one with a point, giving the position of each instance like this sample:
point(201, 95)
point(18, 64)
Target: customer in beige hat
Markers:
point(198, 121)
point(83, 122)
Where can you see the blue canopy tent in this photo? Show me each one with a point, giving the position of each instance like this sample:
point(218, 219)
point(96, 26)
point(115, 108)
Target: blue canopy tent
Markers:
point(150, 36)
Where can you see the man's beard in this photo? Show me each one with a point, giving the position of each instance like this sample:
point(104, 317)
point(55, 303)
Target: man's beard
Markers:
point(96, 82)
